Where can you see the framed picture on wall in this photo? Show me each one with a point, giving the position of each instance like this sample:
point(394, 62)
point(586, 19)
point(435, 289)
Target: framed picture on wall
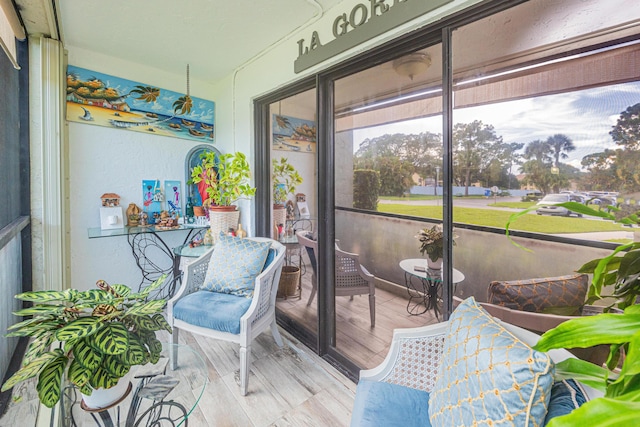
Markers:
point(293, 134)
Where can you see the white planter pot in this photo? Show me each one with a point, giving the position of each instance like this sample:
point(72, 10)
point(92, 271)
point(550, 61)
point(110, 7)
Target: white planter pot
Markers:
point(106, 397)
point(434, 265)
point(222, 221)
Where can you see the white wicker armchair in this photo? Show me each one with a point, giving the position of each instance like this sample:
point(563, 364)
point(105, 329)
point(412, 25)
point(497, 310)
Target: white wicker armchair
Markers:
point(259, 317)
point(415, 353)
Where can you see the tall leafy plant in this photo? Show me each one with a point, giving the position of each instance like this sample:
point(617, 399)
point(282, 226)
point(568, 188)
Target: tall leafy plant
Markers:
point(226, 177)
point(619, 378)
point(93, 337)
point(285, 179)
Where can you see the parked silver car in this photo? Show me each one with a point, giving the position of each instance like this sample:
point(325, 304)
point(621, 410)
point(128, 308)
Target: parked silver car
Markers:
point(548, 204)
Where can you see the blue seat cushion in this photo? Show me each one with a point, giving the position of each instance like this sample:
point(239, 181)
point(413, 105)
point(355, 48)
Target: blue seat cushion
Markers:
point(212, 310)
point(382, 404)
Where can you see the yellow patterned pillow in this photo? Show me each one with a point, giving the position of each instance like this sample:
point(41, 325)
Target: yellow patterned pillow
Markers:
point(488, 377)
point(234, 265)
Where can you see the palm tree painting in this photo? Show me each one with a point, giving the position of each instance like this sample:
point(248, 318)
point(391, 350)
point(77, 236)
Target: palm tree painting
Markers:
point(106, 100)
point(293, 134)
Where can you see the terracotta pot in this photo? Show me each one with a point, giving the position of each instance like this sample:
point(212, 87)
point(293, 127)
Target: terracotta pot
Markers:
point(230, 208)
point(198, 211)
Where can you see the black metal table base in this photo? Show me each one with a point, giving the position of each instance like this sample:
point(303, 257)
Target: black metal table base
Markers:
point(424, 294)
point(154, 258)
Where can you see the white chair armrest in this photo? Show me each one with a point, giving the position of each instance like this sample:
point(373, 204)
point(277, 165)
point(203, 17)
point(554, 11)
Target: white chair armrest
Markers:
point(413, 359)
point(266, 288)
point(193, 277)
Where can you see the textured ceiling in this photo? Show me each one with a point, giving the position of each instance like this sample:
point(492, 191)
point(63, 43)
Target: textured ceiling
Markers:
point(213, 36)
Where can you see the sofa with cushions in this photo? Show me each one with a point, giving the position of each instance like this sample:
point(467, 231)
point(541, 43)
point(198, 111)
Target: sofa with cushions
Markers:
point(471, 370)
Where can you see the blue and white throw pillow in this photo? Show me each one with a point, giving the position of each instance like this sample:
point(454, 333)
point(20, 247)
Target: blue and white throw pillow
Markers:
point(234, 265)
point(487, 376)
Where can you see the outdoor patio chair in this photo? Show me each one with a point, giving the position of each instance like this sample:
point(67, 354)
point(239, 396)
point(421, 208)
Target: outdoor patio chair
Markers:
point(229, 294)
point(352, 278)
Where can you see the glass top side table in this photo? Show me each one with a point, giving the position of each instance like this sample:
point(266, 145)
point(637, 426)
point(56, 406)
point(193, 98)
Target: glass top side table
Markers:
point(424, 286)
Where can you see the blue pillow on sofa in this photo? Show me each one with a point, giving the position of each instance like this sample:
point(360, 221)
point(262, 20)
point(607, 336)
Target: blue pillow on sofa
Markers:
point(381, 404)
point(566, 395)
point(487, 375)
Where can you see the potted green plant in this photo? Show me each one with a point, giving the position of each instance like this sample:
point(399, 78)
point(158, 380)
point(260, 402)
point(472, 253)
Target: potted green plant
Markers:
point(285, 179)
point(431, 243)
point(92, 337)
point(225, 178)
point(618, 379)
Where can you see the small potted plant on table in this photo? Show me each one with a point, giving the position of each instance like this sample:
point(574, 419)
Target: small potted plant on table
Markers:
point(285, 178)
point(101, 333)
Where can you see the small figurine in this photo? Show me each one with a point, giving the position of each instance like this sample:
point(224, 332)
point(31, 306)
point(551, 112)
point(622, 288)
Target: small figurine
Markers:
point(133, 215)
point(144, 219)
point(110, 200)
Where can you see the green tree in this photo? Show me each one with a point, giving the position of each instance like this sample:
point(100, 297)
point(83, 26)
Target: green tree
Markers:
point(423, 151)
point(626, 134)
point(601, 169)
point(560, 145)
point(395, 174)
point(474, 148)
point(537, 165)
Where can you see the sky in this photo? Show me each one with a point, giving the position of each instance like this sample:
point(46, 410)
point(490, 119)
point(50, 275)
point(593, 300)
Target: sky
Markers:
point(585, 116)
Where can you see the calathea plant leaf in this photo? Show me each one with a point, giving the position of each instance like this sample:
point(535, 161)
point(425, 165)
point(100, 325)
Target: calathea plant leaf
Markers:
point(50, 381)
point(114, 366)
point(32, 369)
point(78, 374)
point(38, 347)
point(82, 327)
point(103, 379)
point(136, 353)
point(86, 355)
point(46, 296)
point(113, 338)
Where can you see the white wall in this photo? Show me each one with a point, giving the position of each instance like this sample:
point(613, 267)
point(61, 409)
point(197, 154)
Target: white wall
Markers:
point(112, 160)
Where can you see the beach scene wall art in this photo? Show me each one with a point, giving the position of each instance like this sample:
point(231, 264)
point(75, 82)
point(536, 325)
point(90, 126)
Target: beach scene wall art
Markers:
point(293, 134)
point(100, 99)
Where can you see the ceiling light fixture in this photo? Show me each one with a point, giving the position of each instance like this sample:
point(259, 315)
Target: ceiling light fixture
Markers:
point(411, 65)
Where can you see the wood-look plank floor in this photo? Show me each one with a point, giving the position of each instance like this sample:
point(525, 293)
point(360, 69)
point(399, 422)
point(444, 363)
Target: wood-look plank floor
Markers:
point(356, 339)
point(288, 386)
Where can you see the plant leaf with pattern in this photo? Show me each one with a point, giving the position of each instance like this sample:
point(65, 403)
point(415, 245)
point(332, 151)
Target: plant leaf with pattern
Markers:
point(103, 379)
point(114, 366)
point(50, 381)
point(79, 328)
point(32, 369)
point(78, 374)
point(86, 355)
point(37, 348)
point(112, 339)
point(136, 353)
point(45, 296)
point(147, 308)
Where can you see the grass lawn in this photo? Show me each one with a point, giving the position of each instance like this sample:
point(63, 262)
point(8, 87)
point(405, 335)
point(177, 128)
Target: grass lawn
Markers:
point(494, 218)
point(411, 197)
point(513, 205)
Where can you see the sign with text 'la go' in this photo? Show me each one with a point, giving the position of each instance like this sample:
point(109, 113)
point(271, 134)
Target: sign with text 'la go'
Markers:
point(363, 22)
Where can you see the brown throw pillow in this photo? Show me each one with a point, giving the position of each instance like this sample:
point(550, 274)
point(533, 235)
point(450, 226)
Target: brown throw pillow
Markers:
point(538, 295)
